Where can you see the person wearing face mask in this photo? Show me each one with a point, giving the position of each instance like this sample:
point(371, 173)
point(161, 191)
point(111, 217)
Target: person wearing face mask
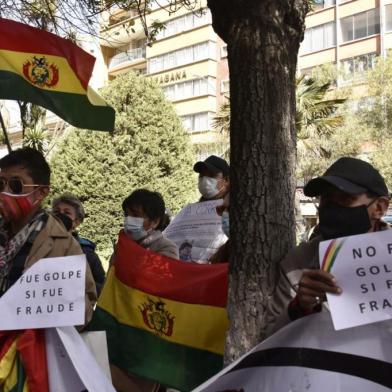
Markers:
point(27, 232)
point(353, 198)
point(222, 255)
point(70, 211)
point(144, 217)
point(197, 229)
point(214, 181)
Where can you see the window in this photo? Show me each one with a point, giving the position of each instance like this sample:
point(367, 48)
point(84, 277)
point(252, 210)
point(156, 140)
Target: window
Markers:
point(185, 22)
point(362, 104)
point(198, 122)
point(319, 4)
point(225, 86)
point(190, 88)
point(319, 38)
point(184, 56)
point(356, 67)
point(224, 51)
point(156, 4)
point(388, 17)
point(360, 25)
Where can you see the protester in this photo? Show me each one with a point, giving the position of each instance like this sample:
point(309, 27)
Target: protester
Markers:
point(144, 215)
point(27, 232)
point(196, 229)
point(353, 200)
point(214, 180)
point(223, 253)
point(69, 209)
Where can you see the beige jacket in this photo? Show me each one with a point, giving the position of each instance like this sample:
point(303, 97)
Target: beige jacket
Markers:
point(54, 241)
point(162, 245)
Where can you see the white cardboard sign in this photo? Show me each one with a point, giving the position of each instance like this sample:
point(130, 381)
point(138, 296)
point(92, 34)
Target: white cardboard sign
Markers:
point(49, 294)
point(362, 266)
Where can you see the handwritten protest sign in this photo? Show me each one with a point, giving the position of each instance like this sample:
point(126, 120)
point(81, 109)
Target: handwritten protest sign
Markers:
point(362, 266)
point(49, 294)
point(197, 231)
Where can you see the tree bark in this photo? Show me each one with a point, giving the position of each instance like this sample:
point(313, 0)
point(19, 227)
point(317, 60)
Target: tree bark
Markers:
point(263, 38)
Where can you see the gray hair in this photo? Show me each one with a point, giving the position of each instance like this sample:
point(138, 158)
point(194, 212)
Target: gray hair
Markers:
point(73, 201)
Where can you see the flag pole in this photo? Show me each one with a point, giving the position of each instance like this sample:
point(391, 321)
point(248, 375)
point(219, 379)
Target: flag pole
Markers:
point(6, 138)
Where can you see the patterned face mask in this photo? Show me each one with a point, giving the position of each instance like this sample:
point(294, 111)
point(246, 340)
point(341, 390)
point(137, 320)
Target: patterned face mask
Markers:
point(14, 208)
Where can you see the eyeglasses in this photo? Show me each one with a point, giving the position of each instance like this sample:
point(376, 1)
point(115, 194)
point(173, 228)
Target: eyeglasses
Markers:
point(15, 184)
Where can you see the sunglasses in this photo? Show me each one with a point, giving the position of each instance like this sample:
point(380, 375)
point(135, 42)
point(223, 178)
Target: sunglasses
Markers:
point(15, 185)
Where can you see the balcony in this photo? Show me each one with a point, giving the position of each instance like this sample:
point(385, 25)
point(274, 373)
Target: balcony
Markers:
point(128, 56)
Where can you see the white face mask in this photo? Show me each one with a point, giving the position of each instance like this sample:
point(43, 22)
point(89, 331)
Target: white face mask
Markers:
point(208, 187)
point(134, 227)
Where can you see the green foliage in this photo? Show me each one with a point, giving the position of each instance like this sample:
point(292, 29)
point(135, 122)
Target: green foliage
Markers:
point(380, 157)
point(316, 121)
point(221, 122)
point(35, 138)
point(40, 13)
point(316, 154)
point(148, 149)
point(31, 115)
point(316, 115)
point(379, 114)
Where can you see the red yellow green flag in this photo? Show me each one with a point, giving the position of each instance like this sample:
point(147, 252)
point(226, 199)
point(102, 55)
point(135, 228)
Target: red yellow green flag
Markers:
point(165, 320)
point(50, 71)
point(23, 366)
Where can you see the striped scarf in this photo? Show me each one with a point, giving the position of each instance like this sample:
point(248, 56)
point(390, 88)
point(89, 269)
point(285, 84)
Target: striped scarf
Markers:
point(9, 247)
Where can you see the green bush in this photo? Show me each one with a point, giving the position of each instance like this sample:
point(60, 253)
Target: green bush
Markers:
point(149, 149)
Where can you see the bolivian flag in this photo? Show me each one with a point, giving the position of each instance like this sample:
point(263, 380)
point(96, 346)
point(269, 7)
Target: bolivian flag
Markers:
point(50, 71)
point(165, 320)
point(23, 361)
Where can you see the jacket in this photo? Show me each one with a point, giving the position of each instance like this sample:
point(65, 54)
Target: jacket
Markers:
point(88, 248)
point(55, 241)
point(303, 256)
point(157, 243)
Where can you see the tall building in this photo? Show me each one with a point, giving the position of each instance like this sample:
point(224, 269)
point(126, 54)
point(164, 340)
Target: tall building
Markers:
point(349, 34)
point(188, 60)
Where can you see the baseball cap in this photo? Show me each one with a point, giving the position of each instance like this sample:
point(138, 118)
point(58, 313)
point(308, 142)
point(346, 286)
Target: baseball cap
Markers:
point(349, 175)
point(213, 164)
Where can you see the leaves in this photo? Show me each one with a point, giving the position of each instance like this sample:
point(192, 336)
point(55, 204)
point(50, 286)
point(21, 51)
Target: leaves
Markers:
point(149, 148)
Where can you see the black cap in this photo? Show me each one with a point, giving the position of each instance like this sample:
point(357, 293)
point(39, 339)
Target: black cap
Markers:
point(213, 164)
point(350, 175)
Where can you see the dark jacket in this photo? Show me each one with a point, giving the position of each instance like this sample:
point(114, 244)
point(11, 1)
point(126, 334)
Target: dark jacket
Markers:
point(88, 248)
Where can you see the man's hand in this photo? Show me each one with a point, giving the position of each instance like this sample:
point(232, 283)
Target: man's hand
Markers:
point(313, 286)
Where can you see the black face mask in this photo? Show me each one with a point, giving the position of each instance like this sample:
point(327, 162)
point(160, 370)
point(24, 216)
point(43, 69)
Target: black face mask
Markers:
point(337, 221)
point(65, 220)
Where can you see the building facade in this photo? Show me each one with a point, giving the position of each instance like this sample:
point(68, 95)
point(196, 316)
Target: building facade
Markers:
point(349, 34)
point(188, 60)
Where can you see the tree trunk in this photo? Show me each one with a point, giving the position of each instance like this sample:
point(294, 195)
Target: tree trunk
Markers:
point(263, 38)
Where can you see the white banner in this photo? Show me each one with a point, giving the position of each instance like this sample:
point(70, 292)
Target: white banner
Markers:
point(362, 266)
point(309, 355)
point(49, 294)
point(71, 365)
point(197, 231)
